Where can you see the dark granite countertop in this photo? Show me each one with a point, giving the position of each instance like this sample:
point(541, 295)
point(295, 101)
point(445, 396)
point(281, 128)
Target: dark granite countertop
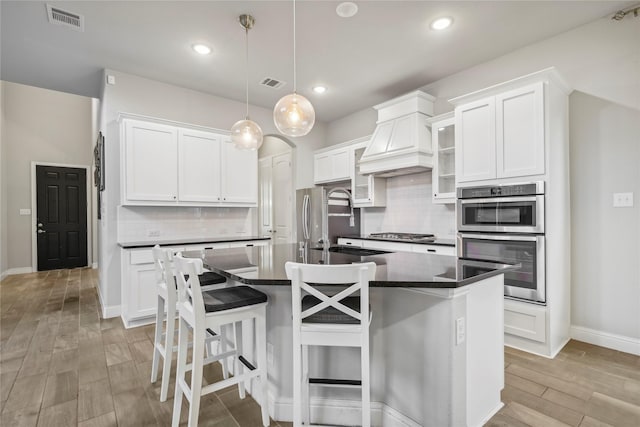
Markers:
point(188, 241)
point(437, 242)
point(264, 265)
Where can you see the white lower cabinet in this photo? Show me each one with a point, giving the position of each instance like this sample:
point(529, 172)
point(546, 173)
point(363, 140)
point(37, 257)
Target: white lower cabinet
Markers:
point(138, 279)
point(525, 320)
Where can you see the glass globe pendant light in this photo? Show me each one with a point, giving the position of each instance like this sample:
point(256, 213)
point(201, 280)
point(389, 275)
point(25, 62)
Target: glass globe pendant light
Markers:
point(293, 114)
point(246, 134)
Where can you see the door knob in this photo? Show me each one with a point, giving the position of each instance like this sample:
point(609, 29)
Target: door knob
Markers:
point(39, 224)
point(41, 231)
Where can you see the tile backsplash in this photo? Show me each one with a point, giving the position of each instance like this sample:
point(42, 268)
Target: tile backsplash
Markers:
point(148, 223)
point(410, 209)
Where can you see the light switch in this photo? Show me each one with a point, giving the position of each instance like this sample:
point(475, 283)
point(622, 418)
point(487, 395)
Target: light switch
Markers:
point(111, 79)
point(622, 200)
point(460, 331)
point(25, 211)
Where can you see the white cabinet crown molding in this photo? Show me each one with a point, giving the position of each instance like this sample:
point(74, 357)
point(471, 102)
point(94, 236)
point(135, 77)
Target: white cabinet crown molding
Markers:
point(133, 116)
point(547, 74)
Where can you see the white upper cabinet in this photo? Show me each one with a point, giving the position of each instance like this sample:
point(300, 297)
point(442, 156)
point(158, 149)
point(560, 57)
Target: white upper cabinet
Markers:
point(520, 131)
point(367, 190)
point(239, 174)
point(476, 141)
point(443, 173)
point(168, 165)
point(150, 162)
point(332, 165)
point(199, 156)
point(501, 136)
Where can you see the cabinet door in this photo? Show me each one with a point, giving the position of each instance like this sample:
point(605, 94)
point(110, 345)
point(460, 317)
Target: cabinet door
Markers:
point(199, 166)
point(332, 166)
point(239, 174)
point(151, 166)
point(475, 150)
point(142, 293)
point(520, 131)
point(443, 173)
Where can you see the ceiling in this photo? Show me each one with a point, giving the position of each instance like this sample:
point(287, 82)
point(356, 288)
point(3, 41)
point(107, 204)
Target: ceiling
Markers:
point(385, 50)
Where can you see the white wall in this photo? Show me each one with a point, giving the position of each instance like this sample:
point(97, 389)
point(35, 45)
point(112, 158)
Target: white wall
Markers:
point(138, 95)
point(600, 59)
point(45, 126)
point(605, 159)
point(3, 190)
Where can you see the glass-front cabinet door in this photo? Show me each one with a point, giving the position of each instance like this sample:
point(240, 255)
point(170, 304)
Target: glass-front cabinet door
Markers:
point(367, 190)
point(443, 174)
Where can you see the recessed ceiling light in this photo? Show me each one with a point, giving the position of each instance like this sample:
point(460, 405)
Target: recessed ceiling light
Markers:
point(441, 23)
point(319, 89)
point(202, 49)
point(347, 9)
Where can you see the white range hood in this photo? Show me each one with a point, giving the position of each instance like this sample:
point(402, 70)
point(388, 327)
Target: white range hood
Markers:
point(401, 143)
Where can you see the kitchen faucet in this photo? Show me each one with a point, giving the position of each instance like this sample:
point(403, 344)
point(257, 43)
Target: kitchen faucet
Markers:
point(325, 213)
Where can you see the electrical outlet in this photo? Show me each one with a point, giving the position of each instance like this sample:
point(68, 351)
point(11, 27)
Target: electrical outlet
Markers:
point(460, 330)
point(270, 354)
point(153, 233)
point(25, 211)
point(622, 200)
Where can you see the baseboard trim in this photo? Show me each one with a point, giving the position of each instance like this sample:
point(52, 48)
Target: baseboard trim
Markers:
point(3, 275)
point(19, 270)
point(491, 414)
point(605, 339)
point(94, 266)
point(108, 311)
point(340, 412)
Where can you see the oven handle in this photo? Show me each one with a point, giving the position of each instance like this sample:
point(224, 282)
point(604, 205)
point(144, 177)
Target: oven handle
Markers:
point(500, 200)
point(513, 237)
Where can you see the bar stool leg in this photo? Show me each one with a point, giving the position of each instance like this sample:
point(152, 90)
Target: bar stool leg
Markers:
point(239, 367)
point(222, 346)
point(183, 332)
point(297, 380)
point(306, 403)
point(366, 392)
point(158, 339)
point(168, 355)
point(261, 343)
point(196, 374)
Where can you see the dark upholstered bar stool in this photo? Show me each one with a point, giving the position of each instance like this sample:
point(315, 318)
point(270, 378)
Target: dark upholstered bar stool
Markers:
point(339, 320)
point(213, 309)
point(165, 315)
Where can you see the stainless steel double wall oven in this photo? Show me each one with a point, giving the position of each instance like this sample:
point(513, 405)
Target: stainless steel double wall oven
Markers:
point(505, 224)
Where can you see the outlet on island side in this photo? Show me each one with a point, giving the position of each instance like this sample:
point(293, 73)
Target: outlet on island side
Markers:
point(153, 233)
point(460, 330)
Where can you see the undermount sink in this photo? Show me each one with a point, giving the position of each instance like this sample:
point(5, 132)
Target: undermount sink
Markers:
point(353, 251)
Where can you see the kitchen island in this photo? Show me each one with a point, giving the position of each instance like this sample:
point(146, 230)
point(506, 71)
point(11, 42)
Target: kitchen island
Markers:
point(436, 338)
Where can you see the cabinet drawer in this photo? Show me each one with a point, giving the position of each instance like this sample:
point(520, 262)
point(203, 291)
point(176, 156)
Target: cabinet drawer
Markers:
point(142, 256)
point(525, 320)
point(435, 249)
point(351, 242)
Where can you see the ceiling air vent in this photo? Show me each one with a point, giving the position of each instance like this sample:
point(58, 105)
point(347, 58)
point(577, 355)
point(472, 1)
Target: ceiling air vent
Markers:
point(62, 17)
point(272, 83)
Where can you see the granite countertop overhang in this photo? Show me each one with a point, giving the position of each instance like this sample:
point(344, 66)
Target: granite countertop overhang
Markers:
point(265, 266)
point(188, 241)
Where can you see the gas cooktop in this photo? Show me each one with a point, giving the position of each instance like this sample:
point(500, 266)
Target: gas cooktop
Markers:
point(403, 237)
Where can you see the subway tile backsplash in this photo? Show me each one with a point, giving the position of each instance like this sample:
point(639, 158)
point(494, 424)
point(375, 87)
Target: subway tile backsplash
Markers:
point(147, 223)
point(410, 209)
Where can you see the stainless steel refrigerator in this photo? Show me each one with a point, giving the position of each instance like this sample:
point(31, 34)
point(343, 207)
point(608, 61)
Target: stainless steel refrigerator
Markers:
point(309, 216)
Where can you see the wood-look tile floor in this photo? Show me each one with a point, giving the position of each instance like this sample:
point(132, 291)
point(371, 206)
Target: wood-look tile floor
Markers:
point(62, 365)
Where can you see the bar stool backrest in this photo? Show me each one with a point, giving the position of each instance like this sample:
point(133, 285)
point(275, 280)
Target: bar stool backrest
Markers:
point(306, 277)
point(189, 291)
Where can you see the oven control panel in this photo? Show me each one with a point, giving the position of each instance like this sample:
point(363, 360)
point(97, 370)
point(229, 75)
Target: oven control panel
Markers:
point(507, 190)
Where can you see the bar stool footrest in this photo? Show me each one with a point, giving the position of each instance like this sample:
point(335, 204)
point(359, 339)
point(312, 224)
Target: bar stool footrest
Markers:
point(335, 382)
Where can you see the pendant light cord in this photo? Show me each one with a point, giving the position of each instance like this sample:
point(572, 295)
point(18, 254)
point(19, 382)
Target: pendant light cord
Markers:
point(294, 46)
point(246, 32)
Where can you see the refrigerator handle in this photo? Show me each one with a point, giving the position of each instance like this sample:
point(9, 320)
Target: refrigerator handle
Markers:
point(305, 217)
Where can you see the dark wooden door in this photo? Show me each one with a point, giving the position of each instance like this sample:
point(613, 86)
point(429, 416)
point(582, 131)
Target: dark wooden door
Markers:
point(62, 217)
